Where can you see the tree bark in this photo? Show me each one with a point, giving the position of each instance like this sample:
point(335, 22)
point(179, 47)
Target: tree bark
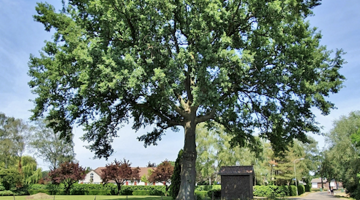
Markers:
point(188, 173)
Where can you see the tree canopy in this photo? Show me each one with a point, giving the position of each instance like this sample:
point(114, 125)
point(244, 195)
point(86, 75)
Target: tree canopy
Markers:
point(48, 145)
point(341, 160)
point(67, 173)
point(163, 173)
point(246, 64)
point(119, 171)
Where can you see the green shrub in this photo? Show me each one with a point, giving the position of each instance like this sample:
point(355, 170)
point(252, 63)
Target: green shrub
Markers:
point(301, 189)
point(2, 188)
point(207, 187)
point(141, 192)
point(292, 190)
point(157, 193)
point(217, 193)
point(37, 187)
point(271, 190)
point(216, 187)
point(6, 193)
point(263, 191)
point(307, 188)
point(200, 195)
point(126, 191)
point(154, 189)
point(175, 178)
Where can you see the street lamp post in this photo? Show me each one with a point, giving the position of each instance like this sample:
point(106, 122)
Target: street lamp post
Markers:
point(297, 194)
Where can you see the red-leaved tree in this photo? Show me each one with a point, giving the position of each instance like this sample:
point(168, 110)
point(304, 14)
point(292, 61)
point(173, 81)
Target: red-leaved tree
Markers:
point(162, 173)
point(119, 171)
point(67, 173)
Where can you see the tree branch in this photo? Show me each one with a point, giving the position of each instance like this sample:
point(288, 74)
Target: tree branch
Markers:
point(204, 118)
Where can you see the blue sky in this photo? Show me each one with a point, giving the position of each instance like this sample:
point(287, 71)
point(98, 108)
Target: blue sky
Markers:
point(20, 36)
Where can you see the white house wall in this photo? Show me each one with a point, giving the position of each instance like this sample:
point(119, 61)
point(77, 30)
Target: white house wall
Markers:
point(96, 179)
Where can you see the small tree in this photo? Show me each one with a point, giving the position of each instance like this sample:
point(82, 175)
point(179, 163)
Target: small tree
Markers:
point(162, 173)
point(176, 177)
point(67, 173)
point(119, 171)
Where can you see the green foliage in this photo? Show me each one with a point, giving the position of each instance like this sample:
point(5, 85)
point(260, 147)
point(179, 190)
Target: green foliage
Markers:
point(50, 147)
point(6, 193)
point(10, 178)
point(77, 189)
point(216, 192)
point(270, 191)
point(207, 187)
point(14, 134)
point(217, 60)
point(301, 189)
point(126, 191)
point(307, 188)
point(201, 195)
point(176, 178)
point(247, 65)
point(341, 161)
point(141, 192)
point(292, 190)
point(158, 190)
point(32, 174)
point(2, 188)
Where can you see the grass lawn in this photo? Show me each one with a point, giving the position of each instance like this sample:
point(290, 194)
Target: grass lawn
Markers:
point(91, 197)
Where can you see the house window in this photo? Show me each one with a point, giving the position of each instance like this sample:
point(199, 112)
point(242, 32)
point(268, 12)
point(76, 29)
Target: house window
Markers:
point(91, 177)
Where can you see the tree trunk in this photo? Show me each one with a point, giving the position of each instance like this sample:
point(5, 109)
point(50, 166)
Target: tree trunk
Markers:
point(188, 173)
point(19, 165)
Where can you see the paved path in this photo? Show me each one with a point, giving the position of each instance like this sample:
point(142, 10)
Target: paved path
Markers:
point(316, 196)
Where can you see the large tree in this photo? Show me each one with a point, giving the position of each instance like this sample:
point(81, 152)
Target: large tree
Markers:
point(341, 160)
point(119, 171)
point(14, 136)
point(246, 64)
point(48, 145)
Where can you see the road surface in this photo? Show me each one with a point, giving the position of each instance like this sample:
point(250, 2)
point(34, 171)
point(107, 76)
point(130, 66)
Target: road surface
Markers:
point(316, 196)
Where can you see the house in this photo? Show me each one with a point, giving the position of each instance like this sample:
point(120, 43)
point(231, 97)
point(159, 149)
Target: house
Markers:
point(316, 183)
point(94, 176)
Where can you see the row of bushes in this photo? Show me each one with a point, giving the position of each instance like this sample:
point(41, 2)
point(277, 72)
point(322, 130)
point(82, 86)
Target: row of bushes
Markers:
point(278, 191)
point(6, 193)
point(97, 189)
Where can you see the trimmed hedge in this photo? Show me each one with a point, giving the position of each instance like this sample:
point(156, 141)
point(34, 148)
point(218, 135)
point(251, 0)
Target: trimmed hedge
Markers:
point(76, 189)
point(126, 191)
point(271, 190)
point(301, 189)
point(158, 190)
point(292, 190)
point(200, 195)
point(307, 188)
point(141, 192)
point(6, 193)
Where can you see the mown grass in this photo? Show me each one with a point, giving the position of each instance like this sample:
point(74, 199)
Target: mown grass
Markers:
point(92, 197)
